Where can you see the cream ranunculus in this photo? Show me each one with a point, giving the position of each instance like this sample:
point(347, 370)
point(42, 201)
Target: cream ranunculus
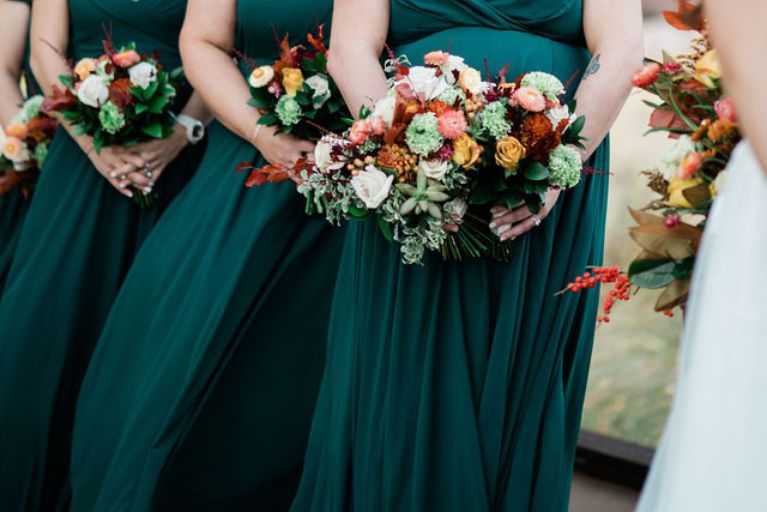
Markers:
point(319, 84)
point(425, 81)
point(471, 81)
point(93, 91)
point(384, 108)
point(372, 186)
point(434, 169)
point(143, 74)
point(261, 76)
point(323, 157)
point(556, 115)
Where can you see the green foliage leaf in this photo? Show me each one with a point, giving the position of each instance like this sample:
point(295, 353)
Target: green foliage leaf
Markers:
point(67, 81)
point(159, 103)
point(154, 130)
point(269, 120)
point(358, 213)
point(536, 171)
point(652, 274)
point(385, 228)
point(140, 108)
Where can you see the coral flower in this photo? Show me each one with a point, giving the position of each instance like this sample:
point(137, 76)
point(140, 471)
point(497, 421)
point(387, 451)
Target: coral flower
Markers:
point(18, 130)
point(452, 124)
point(13, 148)
point(126, 59)
point(725, 109)
point(119, 92)
point(530, 99)
point(647, 75)
point(377, 125)
point(436, 58)
point(690, 166)
point(360, 132)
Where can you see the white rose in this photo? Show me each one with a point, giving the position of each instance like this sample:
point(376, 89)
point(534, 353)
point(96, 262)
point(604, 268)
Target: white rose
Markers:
point(434, 169)
point(372, 186)
point(142, 74)
point(93, 91)
point(683, 146)
point(261, 76)
point(384, 108)
point(323, 157)
point(457, 209)
point(425, 81)
point(319, 85)
point(455, 63)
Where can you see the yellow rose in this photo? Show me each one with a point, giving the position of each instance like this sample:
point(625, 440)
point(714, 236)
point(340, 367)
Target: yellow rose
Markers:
point(708, 68)
point(676, 188)
point(466, 151)
point(470, 81)
point(85, 67)
point(509, 152)
point(292, 80)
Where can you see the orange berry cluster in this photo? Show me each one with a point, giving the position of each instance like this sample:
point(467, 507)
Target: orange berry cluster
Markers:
point(358, 165)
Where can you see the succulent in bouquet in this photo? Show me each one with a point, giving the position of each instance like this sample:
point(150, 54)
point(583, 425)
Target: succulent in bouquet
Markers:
point(119, 98)
point(25, 146)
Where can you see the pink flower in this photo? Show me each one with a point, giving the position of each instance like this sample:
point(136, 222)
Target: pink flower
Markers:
point(672, 67)
point(672, 221)
point(725, 109)
point(436, 58)
point(452, 124)
point(377, 125)
point(126, 59)
point(551, 105)
point(18, 130)
point(275, 89)
point(530, 99)
point(647, 75)
point(359, 132)
point(690, 166)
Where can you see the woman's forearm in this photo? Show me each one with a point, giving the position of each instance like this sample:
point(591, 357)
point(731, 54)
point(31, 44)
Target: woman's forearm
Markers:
point(195, 108)
point(14, 22)
point(617, 49)
point(355, 49)
point(744, 75)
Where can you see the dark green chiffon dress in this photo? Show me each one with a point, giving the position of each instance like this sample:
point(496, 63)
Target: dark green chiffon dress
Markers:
point(13, 205)
point(77, 243)
point(458, 387)
point(201, 391)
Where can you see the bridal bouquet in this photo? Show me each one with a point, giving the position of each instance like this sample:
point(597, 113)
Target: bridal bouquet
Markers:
point(440, 150)
point(25, 146)
point(691, 106)
point(119, 98)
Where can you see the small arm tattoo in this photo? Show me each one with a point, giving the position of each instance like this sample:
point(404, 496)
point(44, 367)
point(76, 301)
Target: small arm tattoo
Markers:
point(593, 67)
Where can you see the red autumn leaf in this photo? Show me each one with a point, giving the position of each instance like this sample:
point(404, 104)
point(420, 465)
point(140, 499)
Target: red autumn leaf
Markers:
point(41, 128)
point(318, 43)
point(9, 180)
point(58, 100)
point(267, 174)
point(688, 16)
point(667, 119)
point(119, 92)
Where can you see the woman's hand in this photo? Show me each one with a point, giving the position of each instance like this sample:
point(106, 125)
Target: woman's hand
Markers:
point(282, 149)
point(509, 224)
point(150, 159)
point(110, 165)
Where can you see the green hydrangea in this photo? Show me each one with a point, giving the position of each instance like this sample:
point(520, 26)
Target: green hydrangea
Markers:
point(41, 151)
point(493, 119)
point(565, 166)
point(451, 95)
point(288, 110)
point(548, 84)
point(111, 117)
point(31, 107)
point(422, 136)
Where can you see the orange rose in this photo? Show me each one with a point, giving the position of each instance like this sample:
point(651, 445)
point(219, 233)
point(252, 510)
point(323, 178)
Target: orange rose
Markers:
point(85, 67)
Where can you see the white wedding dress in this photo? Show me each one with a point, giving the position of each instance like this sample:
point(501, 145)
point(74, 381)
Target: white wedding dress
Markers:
point(713, 455)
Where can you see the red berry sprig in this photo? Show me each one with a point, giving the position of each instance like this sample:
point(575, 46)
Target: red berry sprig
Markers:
point(607, 276)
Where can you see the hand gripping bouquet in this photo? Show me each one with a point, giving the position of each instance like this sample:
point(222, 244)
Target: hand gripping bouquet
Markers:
point(25, 147)
point(441, 149)
point(119, 98)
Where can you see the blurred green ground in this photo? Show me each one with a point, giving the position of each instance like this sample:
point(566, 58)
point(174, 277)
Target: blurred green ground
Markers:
point(634, 362)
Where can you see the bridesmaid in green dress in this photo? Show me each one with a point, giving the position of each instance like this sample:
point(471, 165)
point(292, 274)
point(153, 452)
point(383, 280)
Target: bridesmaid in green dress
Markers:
point(201, 391)
point(14, 60)
point(77, 243)
point(459, 386)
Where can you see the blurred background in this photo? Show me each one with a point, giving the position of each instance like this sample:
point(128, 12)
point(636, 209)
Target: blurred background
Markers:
point(634, 363)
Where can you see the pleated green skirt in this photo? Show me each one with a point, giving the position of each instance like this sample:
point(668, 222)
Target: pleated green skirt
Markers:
point(13, 208)
point(78, 240)
point(200, 394)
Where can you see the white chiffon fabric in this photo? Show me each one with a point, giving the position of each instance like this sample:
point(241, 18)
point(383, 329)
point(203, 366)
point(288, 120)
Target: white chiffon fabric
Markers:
point(713, 455)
